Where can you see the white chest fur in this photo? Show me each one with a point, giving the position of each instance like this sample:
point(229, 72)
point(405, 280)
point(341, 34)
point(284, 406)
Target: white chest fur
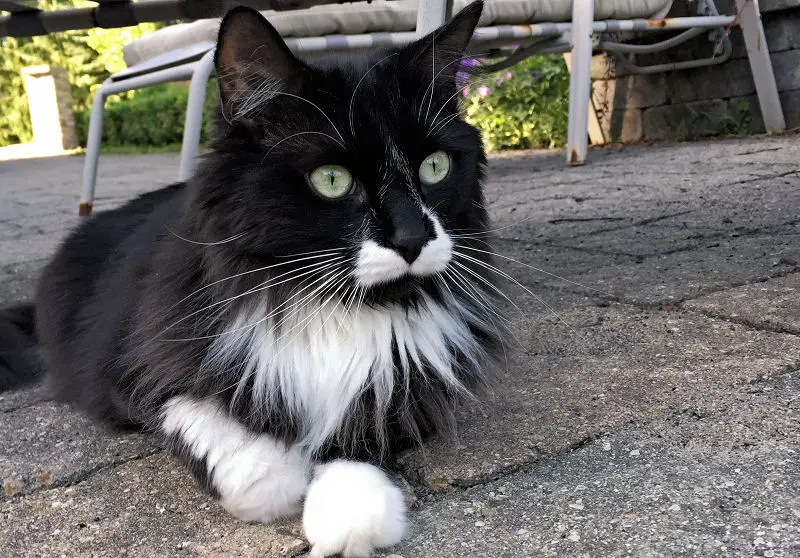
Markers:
point(322, 359)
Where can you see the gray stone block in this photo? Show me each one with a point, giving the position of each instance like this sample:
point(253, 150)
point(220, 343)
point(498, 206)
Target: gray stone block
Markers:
point(767, 6)
point(638, 91)
point(685, 121)
point(731, 79)
point(783, 31)
point(790, 103)
point(787, 69)
point(625, 126)
point(617, 103)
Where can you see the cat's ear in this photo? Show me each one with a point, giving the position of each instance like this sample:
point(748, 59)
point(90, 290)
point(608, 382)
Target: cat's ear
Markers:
point(440, 52)
point(252, 62)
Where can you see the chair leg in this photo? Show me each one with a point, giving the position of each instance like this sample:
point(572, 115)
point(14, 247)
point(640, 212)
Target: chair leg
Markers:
point(761, 65)
point(194, 115)
point(93, 141)
point(580, 81)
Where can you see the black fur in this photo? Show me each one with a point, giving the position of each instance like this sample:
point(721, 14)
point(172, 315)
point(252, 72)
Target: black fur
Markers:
point(122, 311)
point(19, 361)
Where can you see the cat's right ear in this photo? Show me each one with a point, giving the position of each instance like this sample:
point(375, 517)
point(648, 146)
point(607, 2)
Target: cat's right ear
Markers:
point(252, 62)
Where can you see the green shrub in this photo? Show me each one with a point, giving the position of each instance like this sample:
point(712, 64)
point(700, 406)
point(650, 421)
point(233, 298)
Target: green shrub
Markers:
point(523, 107)
point(89, 56)
point(152, 117)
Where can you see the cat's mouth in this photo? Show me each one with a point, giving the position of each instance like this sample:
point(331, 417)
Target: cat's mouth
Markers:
point(401, 290)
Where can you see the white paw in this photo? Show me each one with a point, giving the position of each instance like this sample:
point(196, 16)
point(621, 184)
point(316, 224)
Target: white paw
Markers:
point(262, 481)
point(352, 508)
point(258, 477)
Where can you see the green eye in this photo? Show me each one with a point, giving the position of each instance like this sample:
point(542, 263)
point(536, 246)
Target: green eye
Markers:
point(331, 181)
point(434, 168)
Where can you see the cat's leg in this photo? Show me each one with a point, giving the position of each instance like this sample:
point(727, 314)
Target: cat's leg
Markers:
point(255, 476)
point(352, 508)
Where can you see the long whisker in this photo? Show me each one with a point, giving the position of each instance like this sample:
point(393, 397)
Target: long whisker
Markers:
point(311, 316)
point(316, 107)
point(520, 285)
point(230, 239)
point(488, 306)
point(442, 124)
point(429, 89)
point(295, 135)
point(242, 328)
point(315, 268)
point(353, 96)
point(311, 256)
point(489, 284)
point(323, 282)
point(471, 290)
point(444, 104)
point(537, 269)
point(433, 73)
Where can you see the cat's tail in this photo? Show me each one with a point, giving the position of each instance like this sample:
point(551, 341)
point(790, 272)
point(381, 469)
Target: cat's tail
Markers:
point(19, 361)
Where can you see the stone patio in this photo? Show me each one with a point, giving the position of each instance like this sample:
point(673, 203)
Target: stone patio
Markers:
point(654, 411)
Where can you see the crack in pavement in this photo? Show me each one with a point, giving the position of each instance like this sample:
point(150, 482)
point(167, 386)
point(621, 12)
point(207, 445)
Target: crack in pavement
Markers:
point(7, 492)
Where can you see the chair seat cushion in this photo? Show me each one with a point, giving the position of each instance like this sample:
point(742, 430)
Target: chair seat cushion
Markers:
point(382, 16)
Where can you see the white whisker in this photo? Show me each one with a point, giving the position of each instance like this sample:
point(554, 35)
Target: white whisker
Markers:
point(353, 96)
point(520, 285)
point(230, 239)
point(295, 135)
point(316, 107)
point(311, 255)
point(315, 268)
point(539, 270)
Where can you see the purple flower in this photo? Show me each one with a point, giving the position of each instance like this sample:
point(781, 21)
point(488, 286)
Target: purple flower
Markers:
point(483, 90)
point(465, 91)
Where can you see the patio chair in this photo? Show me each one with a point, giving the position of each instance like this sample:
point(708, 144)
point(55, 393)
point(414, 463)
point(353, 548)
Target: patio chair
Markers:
point(510, 29)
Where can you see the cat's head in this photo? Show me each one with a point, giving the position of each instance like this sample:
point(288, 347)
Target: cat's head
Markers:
point(362, 162)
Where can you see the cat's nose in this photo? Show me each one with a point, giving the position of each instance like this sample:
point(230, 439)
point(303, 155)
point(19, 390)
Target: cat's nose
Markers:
point(409, 241)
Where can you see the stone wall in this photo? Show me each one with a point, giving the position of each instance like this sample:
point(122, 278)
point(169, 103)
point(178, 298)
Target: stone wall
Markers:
point(702, 101)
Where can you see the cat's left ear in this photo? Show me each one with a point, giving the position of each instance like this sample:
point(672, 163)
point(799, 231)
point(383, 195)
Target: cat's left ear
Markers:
point(252, 62)
point(440, 52)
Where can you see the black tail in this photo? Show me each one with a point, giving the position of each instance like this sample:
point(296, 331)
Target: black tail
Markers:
point(19, 361)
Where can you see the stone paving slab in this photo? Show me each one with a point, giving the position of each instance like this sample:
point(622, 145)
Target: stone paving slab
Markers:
point(773, 304)
point(679, 276)
point(619, 366)
point(147, 507)
point(623, 496)
point(673, 370)
point(47, 445)
point(13, 400)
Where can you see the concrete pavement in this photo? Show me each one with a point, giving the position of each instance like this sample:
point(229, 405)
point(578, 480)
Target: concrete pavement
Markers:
point(653, 411)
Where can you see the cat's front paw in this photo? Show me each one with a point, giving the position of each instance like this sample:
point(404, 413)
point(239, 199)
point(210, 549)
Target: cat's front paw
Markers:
point(352, 508)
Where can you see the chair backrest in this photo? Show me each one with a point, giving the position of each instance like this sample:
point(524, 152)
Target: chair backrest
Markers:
point(383, 16)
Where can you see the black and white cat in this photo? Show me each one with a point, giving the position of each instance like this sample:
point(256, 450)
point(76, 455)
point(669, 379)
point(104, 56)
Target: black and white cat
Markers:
point(307, 304)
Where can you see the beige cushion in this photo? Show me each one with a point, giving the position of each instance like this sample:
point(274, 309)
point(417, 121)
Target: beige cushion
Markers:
point(382, 16)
